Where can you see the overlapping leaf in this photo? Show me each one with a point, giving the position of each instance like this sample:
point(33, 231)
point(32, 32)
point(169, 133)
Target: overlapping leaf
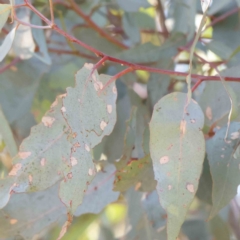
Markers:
point(59, 148)
point(224, 166)
point(99, 193)
point(177, 149)
point(138, 173)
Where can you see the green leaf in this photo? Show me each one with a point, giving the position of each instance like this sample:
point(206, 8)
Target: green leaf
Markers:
point(18, 87)
point(148, 52)
point(177, 149)
point(196, 229)
point(39, 37)
point(59, 147)
point(156, 214)
point(130, 27)
point(132, 5)
point(184, 17)
point(138, 173)
point(99, 193)
point(4, 13)
point(6, 135)
point(7, 44)
point(140, 226)
point(220, 229)
point(204, 192)
point(28, 214)
point(224, 166)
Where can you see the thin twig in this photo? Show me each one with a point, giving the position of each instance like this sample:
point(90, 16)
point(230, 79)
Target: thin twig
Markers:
point(126, 63)
point(162, 18)
point(12, 63)
point(94, 26)
point(222, 17)
point(51, 11)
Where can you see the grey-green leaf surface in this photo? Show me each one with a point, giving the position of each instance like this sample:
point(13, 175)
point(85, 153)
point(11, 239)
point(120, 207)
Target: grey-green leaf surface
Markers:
point(99, 193)
point(59, 148)
point(4, 13)
point(177, 149)
point(132, 5)
point(6, 135)
point(39, 37)
point(148, 52)
point(28, 214)
point(224, 166)
point(7, 44)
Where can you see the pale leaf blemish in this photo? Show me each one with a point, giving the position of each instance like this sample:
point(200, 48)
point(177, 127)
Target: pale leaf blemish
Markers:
point(24, 155)
point(103, 125)
point(109, 108)
point(13, 221)
point(16, 167)
point(239, 166)
point(138, 185)
point(114, 89)
point(164, 160)
point(69, 175)
point(87, 147)
point(209, 113)
point(91, 171)
point(48, 121)
point(30, 178)
point(222, 156)
point(169, 187)
point(183, 126)
point(190, 187)
point(97, 84)
point(73, 161)
point(43, 162)
point(223, 149)
point(63, 109)
point(235, 135)
point(193, 120)
point(88, 66)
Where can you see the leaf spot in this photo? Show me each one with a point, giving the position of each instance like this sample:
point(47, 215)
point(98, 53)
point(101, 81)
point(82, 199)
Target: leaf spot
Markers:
point(15, 169)
point(43, 162)
point(48, 121)
point(13, 221)
point(190, 188)
point(87, 147)
point(103, 125)
point(114, 89)
point(63, 109)
point(109, 108)
point(73, 161)
point(222, 156)
point(69, 175)
point(24, 155)
point(91, 172)
point(235, 135)
point(138, 185)
point(209, 113)
point(169, 187)
point(193, 120)
point(164, 160)
point(30, 178)
point(88, 66)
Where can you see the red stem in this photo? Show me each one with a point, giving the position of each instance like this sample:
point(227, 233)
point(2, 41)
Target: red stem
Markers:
point(94, 26)
point(12, 63)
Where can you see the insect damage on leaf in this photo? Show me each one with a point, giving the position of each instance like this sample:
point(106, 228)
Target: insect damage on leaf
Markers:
point(59, 148)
